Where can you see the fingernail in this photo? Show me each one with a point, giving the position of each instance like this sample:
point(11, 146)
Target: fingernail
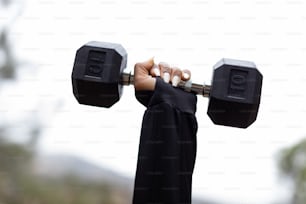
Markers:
point(156, 71)
point(175, 81)
point(166, 77)
point(185, 75)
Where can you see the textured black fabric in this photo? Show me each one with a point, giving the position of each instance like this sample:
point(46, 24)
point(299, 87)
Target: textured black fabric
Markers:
point(167, 148)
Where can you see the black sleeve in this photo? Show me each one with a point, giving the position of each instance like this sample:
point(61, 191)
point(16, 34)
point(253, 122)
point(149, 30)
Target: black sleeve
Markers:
point(167, 146)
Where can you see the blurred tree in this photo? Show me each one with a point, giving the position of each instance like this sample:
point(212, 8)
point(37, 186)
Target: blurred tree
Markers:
point(7, 61)
point(293, 165)
point(20, 185)
point(19, 182)
point(9, 11)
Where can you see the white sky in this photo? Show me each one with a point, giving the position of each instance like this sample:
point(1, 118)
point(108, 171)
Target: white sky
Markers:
point(233, 165)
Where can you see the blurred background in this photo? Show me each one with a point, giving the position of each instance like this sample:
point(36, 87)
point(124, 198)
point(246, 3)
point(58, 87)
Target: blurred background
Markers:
point(53, 150)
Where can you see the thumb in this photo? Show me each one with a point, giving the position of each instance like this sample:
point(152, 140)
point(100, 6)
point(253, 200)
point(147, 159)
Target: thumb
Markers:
point(142, 78)
point(146, 65)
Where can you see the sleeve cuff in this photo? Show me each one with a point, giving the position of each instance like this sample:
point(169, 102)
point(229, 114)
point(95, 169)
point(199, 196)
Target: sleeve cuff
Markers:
point(166, 93)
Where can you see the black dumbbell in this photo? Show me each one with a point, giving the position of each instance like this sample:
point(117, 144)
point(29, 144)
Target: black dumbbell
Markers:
point(98, 78)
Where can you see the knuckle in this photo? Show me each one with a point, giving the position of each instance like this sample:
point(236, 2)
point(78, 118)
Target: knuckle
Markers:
point(164, 64)
point(177, 71)
point(137, 65)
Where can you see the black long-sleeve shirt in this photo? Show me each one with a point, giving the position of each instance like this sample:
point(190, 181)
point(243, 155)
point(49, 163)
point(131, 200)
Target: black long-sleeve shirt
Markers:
point(167, 148)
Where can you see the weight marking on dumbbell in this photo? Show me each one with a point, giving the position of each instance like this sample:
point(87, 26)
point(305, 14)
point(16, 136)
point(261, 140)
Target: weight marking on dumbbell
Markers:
point(97, 59)
point(238, 81)
point(237, 84)
point(95, 69)
point(97, 56)
point(95, 63)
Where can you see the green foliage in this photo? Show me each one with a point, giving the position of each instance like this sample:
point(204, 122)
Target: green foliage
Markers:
point(293, 160)
point(68, 189)
point(19, 185)
point(13, 157)
point(293, 164)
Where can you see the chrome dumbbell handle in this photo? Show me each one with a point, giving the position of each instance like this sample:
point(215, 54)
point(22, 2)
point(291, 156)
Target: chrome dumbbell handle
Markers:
point(204, 90)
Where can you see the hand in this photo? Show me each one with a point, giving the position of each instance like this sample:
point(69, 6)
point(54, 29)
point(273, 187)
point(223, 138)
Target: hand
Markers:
point(145, 73)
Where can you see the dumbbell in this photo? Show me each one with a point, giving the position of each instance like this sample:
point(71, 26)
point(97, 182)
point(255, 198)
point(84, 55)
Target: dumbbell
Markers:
point(234, 94)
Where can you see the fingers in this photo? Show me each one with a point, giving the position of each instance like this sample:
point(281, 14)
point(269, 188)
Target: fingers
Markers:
point(176, 76)
point(186, 75)
point(155, 71)
point(173, 74)
point(165, 71)
point(146, 72)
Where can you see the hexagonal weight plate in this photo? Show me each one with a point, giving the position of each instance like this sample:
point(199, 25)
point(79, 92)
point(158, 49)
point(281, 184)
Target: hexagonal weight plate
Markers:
point(96, 73)
point(235, 93)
